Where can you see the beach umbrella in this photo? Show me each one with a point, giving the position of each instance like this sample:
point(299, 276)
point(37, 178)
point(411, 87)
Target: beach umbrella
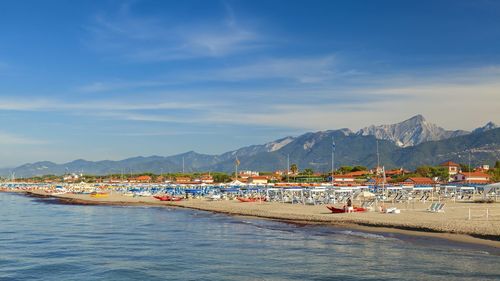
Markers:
point(365, 195)
point(491, 187)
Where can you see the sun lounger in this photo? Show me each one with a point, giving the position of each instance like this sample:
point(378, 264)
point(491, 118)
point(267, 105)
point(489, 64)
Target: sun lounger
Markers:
point(392, 210)
point(440, 208)
point(436, 208)
point(433, 207)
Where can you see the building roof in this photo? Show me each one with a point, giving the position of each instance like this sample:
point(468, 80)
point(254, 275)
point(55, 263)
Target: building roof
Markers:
point(357, 173)
point(475, 174)
point(346, 176)
point(472, 182)
point(420, 180)
point(258, 177)
point(143, 178)
point(450, 164)
point(397, 172)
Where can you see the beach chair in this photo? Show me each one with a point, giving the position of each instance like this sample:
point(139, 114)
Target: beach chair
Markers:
point(436, 208)
point(440, 208)
point(433, 207)
point(392, 210)
point(310, 201)
point(369, 205)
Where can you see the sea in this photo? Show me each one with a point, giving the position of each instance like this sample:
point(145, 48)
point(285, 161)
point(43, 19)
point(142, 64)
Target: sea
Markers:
point(41, 239)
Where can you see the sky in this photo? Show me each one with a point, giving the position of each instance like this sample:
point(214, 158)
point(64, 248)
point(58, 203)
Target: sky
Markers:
point(115, 79)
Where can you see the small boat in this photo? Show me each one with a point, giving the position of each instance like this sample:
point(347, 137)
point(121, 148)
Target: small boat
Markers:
point(98, 195)
point(168, 198)
point(344, 209)
point(253, 199)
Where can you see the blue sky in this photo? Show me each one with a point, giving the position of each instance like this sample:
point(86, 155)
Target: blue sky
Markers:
point(113, 79)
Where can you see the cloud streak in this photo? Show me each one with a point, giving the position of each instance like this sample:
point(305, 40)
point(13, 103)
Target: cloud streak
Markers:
point(12, 139)
point(311, 107)
point(151, 39)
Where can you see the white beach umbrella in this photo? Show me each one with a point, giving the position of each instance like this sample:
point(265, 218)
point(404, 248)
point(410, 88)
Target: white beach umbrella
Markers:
point(365, 195)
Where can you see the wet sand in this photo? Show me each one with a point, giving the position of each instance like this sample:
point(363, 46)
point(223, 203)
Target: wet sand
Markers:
point(414, 219)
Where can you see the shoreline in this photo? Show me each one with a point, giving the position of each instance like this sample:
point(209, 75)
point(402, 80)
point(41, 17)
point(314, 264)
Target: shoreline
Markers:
point(254, 210)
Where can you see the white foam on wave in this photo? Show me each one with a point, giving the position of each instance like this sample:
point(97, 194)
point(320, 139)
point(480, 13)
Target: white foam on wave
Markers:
point(364, 235)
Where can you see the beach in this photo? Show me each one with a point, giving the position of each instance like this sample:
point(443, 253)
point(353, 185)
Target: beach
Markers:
point(414, 219)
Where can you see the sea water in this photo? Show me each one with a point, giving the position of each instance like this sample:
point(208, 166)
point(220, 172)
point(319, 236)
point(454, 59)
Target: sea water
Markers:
point(43, 240)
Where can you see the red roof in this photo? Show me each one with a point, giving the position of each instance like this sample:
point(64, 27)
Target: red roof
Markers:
point(357, 173)
point(420, 180)
point(143, 178)
point(450, 164)
point(347, 176)
point(475, 174)
point(396, 172)
point(259, 177)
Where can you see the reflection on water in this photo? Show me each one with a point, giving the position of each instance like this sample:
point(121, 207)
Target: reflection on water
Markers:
point(40, 241)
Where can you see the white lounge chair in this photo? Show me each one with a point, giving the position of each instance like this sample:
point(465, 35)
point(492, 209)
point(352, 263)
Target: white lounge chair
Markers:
point(432, 208)
point(436, 208)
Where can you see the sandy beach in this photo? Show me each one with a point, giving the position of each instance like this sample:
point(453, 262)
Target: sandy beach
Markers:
point(414, 219)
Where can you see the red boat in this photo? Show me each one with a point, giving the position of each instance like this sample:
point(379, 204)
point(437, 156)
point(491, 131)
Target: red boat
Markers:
point(254, 199)
point(168, 198)
point(344, 209)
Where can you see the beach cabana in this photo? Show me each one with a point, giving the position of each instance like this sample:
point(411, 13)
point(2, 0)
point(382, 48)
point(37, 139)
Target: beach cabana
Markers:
point(293, 195)
point(491, 189)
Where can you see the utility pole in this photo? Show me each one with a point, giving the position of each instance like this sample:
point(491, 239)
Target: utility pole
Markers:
point(470, 171)
point(288, 168)
point(183, 164)
point(378, 158)
point(236, 164)
point(333, 157)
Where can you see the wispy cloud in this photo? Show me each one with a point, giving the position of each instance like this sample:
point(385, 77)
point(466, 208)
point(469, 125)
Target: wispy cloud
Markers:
point(13, 104)
point(303, 70)
point(153, 39)
point(9, 139)
point(114, 85)
point(307, 108)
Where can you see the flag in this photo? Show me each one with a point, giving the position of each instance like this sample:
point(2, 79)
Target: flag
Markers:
point(333, 144)
point(237, 162)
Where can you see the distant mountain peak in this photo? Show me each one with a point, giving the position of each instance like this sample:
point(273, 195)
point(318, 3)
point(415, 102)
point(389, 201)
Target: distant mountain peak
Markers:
point(312, 149)
point(417, 118)
point(410, 132)
point(278, 144)
point(489, 126)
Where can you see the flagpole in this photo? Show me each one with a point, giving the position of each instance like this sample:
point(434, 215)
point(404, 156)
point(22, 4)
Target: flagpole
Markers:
point(288, 168)
point(333, 157)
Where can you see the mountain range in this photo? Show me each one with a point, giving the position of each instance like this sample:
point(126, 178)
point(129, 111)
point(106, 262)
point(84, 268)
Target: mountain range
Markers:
point(408, 144)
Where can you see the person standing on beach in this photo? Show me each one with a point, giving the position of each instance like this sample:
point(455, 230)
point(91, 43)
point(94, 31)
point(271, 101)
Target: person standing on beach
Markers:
point(349, 205)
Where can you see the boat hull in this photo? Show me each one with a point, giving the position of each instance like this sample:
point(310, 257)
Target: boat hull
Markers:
point(168, 198)
point(245, 200)
point(344, 209)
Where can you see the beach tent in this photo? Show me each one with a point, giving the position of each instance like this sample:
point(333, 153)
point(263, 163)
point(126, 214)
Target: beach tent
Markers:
point(494, 188)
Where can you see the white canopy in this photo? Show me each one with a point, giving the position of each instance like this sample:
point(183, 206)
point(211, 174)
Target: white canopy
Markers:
point(365, 194)
point(488, 188)
point(235, 182)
